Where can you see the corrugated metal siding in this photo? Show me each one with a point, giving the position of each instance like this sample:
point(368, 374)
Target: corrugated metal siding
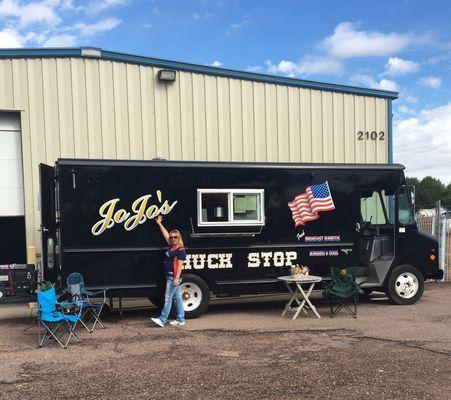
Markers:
point(92, 108)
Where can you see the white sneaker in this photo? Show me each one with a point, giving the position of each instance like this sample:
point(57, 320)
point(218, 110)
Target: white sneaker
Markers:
point(177, 323)
point(158, 321)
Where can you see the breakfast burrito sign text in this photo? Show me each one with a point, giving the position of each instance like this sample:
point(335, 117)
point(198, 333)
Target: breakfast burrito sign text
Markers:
point(142, 210)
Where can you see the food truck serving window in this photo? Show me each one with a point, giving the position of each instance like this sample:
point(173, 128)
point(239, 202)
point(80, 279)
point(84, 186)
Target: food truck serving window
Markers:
point(233, 207)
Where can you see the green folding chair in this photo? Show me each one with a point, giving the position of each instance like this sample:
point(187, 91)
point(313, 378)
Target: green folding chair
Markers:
point(343, 291)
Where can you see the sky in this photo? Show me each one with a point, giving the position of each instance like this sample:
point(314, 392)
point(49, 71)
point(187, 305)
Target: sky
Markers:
point(397, 45)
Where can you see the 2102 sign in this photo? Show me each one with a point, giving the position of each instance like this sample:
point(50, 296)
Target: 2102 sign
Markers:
point(373, 135)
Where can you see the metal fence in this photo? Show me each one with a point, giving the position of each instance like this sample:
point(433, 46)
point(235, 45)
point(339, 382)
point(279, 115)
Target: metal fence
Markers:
point(437, 222)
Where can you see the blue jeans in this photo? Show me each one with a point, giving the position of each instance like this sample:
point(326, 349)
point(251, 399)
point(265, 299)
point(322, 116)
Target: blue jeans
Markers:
point(172, 291)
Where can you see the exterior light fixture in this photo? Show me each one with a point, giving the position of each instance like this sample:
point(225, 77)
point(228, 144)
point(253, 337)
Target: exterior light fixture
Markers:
point(166, 75)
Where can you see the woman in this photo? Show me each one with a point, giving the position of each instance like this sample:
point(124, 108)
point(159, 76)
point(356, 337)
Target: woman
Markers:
point(173, 265)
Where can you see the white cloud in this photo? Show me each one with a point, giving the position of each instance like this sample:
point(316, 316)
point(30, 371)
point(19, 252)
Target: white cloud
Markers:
point(402, 109)
point(397, 66)
point(432, 81)
point(309, 65)
point(255, 68)
point(237, 26)
point(423, 143)
point(216, 64)
point(320, 66)
point(93, 29)
point(9, 38)
point(368, 80)
point(348, 42)
point(61, 41)
point(98, 6)
point(283, 67)
point(44, 22)
point(411, 99)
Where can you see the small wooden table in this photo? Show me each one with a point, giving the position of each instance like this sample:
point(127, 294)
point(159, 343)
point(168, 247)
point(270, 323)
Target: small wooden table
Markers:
point(299, 295)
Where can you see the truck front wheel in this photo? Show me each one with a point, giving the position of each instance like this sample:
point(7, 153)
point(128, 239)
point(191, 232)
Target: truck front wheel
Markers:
point(405, 285)
point(195, 295)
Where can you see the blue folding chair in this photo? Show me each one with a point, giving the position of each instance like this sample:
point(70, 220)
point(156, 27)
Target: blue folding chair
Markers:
point(76, 289)
point(53, 316)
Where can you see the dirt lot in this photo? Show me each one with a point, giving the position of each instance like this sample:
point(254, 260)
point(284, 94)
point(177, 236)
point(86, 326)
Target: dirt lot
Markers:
point(243, 350)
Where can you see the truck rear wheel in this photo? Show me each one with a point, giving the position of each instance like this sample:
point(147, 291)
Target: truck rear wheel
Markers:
point(405, 285)
point(195, 295)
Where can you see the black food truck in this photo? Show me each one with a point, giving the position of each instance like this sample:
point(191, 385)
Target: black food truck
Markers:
point(243, 224)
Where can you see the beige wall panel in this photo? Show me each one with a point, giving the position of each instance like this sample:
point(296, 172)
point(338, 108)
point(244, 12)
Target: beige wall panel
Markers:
point(283, 150)
point(338, 128)
point(174, 120)
point(37, 133)
point(107, 117)
point(349, 128)
point(225, 151)
point(80, 112)
point(317, 126)
point(294, 124)
point(148, 112)
point(305, 106)
point(51, 119)
point(93, 109)
point(328, 126)
point(271, 123)
point(161, 117)
point(248, 121)
point(65, 107)
point(381, 126)
point(20, 85)
point(187, 120)
point(200, 128)
point(6, 84)
point(370, 127)
point(134, 112)
point(259, 121)
point(121, 110)
point(211, 115)
point(236, 120)
point(359, 117)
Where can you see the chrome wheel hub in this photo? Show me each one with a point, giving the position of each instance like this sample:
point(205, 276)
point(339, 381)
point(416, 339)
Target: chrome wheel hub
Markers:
point(191, 295)
point(406, 285)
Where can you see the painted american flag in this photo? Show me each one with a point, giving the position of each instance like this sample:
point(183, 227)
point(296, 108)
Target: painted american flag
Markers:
point(306, 206)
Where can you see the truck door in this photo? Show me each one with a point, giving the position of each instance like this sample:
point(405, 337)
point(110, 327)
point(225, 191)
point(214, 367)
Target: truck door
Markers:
point(48, 222)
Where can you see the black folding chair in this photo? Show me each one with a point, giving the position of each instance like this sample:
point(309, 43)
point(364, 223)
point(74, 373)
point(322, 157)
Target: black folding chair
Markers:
point(90, 309)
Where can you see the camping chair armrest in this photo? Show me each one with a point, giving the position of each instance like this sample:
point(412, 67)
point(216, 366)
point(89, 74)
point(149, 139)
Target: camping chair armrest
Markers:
point(69, 305)
point(91, 293)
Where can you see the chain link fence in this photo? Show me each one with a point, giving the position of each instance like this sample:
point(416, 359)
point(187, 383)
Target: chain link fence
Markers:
point(437, 222)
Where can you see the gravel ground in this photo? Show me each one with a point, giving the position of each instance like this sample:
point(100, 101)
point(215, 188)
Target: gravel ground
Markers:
point(243, 350)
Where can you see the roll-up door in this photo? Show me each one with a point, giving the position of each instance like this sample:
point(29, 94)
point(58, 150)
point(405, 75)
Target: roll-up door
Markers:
point(12, 220)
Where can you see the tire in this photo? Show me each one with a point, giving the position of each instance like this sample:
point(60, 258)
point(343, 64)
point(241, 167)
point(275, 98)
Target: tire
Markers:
point(405, 285)
point(195, 294)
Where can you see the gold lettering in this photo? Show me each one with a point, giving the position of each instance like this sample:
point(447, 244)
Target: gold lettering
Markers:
point(120, 216)
point(139, 207)
point(141, 211)
point(106, 210)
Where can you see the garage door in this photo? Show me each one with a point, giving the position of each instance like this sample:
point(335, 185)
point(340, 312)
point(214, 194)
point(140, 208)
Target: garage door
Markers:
point(12, 221)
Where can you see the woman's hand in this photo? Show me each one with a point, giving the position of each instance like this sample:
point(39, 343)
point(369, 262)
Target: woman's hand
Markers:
point(159, 219)
point(176, 281)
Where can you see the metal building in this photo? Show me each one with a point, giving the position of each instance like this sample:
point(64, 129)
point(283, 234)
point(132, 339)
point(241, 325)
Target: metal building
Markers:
point(91, 103)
